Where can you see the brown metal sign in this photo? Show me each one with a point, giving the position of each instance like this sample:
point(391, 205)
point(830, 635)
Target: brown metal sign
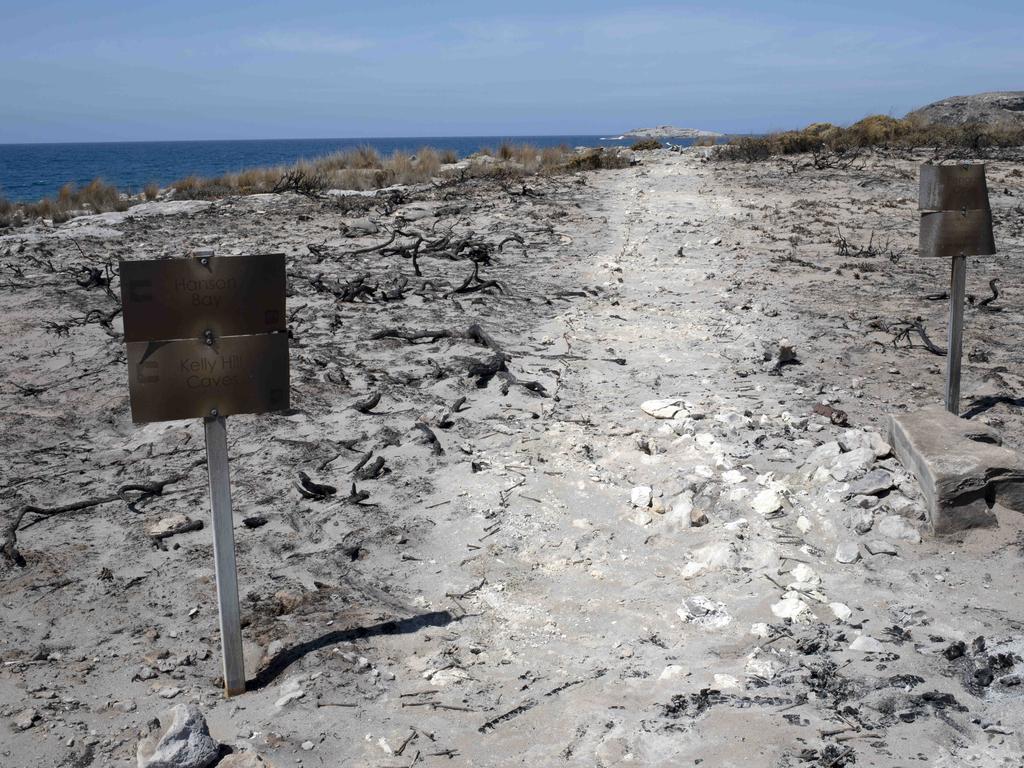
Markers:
point(185, 298)
point(957, 233)
point(188, 378)
point(953, 188)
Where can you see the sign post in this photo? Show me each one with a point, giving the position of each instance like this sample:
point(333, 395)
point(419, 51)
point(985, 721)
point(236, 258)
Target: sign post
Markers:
point(956, 222)
point(206, 339)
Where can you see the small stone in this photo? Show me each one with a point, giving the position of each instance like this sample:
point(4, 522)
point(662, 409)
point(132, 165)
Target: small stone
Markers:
point(727, 682)
point(168, 526)
point(244, 760)
point(307, 745)
point(873, 483)
point(864, 502)
point(704, 612)
point(673, 671)
point(26, 719)
point(847, 552)
point(791, 607)
point(145, 673)
point(867, 644)
point(253, 522)
point(863, 521)
point(880, 547)
point(841, 611)
point(641, 496)
point(733, 477)
point(184, 741)
point(767, 502)
point(823, 455)
point(849, 466)
point(663, 409)
point(168, 693)
point(898, 528)
point(290, 690)
point(900, 505)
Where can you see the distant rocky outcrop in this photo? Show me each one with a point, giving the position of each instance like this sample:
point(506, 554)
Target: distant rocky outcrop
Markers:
point(996, 108)
point(669, 132)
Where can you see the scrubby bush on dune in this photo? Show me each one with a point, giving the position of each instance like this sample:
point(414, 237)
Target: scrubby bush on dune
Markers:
point(645, 145)
point(873, 131)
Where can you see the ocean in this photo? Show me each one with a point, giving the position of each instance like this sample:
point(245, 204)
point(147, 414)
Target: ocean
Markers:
point(29, 172)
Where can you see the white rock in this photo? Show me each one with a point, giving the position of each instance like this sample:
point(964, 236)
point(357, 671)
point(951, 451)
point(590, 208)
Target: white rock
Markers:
point(290, 690)
point(792, 607)
point(821, 475)
point(727, 682)
point(841, 611)
point(445, 677)
point(823, 455)
point(704, 612)
point(866, 644)
point(642, 496)
point(673, 671)
point(663, 409)
point(849, 466)
point(166, 525)
point(856, 438)
point(244, 760)
point(711, 557)
point(760, 630)
point(803, 524)
point(898, 528)
point(733, 476)
point(847, 552)
point(766, 502)
point(26, 719)
point(763, 665)
point(184, 741)
point(805, 575)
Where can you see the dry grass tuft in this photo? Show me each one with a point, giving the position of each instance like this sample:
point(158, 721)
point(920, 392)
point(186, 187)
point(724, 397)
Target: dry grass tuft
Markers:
point(96, 197)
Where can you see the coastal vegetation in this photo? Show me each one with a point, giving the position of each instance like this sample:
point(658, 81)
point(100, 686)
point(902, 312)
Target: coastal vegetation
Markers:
point(96, 197)
point(876, 131)
point(645, 144)
point(362, 168)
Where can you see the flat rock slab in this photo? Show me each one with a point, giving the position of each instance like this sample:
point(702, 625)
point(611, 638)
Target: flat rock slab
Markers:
point(961, 466)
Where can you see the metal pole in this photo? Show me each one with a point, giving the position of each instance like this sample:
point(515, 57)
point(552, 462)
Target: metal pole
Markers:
point(224, 554)
point(957, 287)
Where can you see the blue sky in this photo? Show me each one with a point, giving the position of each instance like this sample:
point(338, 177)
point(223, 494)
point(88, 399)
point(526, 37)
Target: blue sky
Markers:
point(114, 71)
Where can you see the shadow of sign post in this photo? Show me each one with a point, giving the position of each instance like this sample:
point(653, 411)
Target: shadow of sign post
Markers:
point(207, 339)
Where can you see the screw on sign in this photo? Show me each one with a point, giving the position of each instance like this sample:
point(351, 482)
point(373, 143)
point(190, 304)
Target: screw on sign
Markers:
point(956, 222)
point(207, 339)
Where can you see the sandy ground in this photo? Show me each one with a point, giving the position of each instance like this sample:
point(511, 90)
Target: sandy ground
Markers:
point(511, 595)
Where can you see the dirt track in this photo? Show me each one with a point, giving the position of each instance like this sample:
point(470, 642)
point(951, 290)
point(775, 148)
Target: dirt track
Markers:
point(504, 602)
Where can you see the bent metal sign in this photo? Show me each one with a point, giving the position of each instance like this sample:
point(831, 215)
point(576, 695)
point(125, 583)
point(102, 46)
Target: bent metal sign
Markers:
point(206, 336)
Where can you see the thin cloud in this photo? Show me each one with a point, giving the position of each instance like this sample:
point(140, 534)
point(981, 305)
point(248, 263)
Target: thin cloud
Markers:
point(308, 42)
